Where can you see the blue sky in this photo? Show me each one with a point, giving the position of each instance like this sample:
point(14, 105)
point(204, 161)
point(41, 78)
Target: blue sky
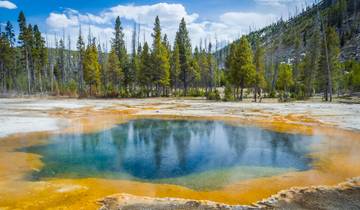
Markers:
point(224, 19)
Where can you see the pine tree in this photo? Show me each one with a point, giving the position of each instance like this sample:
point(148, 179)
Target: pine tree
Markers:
point(212, 68)
point(118, 44)
point(113, 73)
point(298, 66)
point(144, 74)
point(6, 54)
point(259, 62)
point(175, 68)
point(39, 57)
point(242, 69)
point(156, 55)
point(194, 75)
point(329, 64)
point(24, 41)
point(297, 58)
point(313, 58)
point(160, 60)
point(30, 39)
point(61, 62)
point(284, 81)
point(91, 68)
point(80, 45)
point(165, 67)
point(353, 76)
point(229, 64)
point(134, 64)
point(10, 34)
point(185, 55)
point(204, 68)
point(7, 61)
point(103, 65)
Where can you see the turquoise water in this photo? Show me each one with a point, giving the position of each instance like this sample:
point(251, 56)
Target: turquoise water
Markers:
point(197, 154)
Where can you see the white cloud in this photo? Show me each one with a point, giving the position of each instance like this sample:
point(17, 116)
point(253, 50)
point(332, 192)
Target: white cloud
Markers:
point(56, 20)
point(169, 13)
point(101, 24)
point(247, 19)
point(285, 7)
point(228, 26)
point(144, 14)
point(274, 2)
point(283, 3)
point(7, 5)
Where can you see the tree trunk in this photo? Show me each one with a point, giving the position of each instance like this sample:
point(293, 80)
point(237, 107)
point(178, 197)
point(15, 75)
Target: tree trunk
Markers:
point(51, 75)
point(80, 79)
point(234, 93)
point(329, 82)
point(185, 84)
point(255, 93)
point(325, 95)
point(40, 83)
point(328, 70)
point(185, 89)
point(237, 93)
point(260, 98)
point(28, 70)
point(241, 93)
point(2, 76)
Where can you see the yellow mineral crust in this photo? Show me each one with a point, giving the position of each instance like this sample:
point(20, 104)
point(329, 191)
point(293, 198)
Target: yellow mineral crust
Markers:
point(336, 160)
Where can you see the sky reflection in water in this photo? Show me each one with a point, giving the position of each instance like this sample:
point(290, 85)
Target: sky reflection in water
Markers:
point(157, 149)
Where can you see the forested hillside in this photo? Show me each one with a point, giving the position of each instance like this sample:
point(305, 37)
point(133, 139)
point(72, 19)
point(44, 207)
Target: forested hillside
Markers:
point(300, 42)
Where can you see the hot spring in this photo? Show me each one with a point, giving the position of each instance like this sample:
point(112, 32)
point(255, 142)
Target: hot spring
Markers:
point(200, 155)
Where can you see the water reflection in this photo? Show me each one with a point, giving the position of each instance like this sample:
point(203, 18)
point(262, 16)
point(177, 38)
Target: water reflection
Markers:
point(156, 149)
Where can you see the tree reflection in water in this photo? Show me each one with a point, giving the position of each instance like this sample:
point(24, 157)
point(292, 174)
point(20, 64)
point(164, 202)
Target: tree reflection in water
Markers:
point(156, 149)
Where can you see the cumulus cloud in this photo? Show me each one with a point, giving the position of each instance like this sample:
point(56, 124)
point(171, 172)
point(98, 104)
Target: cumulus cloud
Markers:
point(7, 5)
point(145, 14)
point(228, 26)
point(101, 24)
point(56, 20)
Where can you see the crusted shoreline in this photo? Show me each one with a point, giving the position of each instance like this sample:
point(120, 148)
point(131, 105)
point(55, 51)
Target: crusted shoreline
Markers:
point(345, 195)
point(336, 161)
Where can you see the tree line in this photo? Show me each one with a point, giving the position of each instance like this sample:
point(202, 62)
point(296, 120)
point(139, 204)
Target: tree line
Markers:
point(28, 65)
point(155, 69)
point(314, 67)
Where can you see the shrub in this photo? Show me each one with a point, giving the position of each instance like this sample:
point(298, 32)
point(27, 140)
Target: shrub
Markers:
point(56, 89)
point(229, 95)
point(214, 95)
point(71, 88)
point(110, 91)
point(272, 94)
point(123, 93)
point(196, 92)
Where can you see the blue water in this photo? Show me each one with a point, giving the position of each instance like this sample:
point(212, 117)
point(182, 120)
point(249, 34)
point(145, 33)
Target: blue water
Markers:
point(156, 149)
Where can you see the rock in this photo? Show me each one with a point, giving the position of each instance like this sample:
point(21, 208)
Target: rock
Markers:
point(343, 196)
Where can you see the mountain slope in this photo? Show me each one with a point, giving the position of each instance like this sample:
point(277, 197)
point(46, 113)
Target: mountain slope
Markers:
point(279, 39)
